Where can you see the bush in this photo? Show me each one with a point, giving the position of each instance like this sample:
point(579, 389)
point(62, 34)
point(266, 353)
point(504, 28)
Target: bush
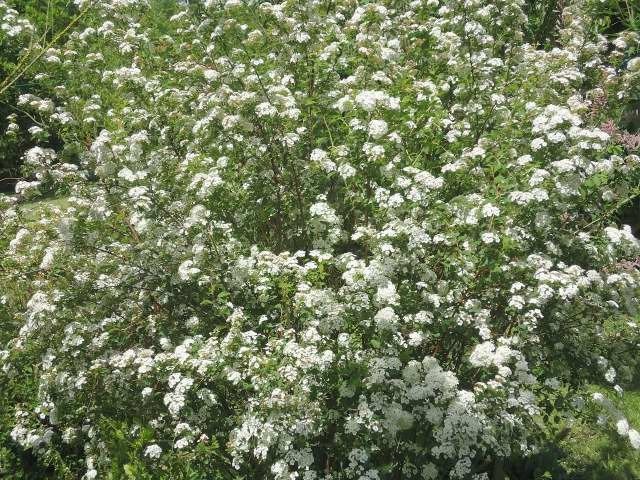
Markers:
point(322, 240)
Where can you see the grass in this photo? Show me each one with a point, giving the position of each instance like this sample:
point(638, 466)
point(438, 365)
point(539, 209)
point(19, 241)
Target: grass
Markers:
point(583, 451)
point(33, 211)
point(592, 454)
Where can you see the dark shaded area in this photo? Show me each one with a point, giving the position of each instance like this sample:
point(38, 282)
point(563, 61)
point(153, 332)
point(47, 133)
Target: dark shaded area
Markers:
point(629, 214)
point(49, 18)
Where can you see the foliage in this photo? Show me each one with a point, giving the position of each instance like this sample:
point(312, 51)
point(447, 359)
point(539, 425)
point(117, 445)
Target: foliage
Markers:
point(321, 240)
point(36, 23)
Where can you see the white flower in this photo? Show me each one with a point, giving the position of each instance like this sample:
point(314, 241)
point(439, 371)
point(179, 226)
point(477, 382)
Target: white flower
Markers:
point(482, 355)
point(552, 383)
point(619, 42)
point(230, 4)
point(386, 319)
point(489, 210)
point(415, 339)
point(318, 155)
point(322, 157)
point(490, 237)
point(610, 375)
point(623, 427)
point(368, 100)
point(346, 171)
point(265, 109)
point(324, 212)
point(634, 64)
point(517, 302)
point(475, 152)
point(537, 144)
point(524, 160)
point(556, 137)
point(230, 121)
point(386, 294)
point(48, 258)
point(234, 377)
point(210, 75)
point(153, 451)
point(130, 176)
point(377, 128)
point(617, 236)
point(181, 443)
point(186, 270)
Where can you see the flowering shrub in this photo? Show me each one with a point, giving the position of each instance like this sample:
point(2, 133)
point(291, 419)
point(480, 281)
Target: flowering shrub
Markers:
point(322, 240)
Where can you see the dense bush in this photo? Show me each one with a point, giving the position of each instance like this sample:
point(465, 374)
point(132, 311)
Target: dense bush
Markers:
point(326, 239)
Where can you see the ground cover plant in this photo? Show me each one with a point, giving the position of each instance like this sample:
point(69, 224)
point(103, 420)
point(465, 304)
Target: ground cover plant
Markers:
point(320, 240)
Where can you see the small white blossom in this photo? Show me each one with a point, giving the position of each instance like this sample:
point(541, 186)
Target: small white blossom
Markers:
point(153, 451)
